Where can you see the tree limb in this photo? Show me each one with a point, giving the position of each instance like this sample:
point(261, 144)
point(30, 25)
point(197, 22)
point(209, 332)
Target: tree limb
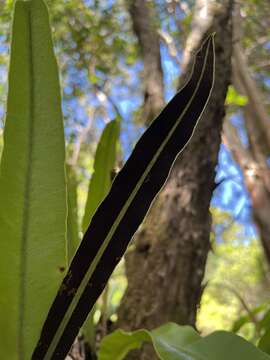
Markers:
point(142, 15)
point(252, 91)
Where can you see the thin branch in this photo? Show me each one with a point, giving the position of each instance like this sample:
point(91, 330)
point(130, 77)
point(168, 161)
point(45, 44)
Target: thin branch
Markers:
point(257, 138)
point(259, 42)
point(142, 16)
point(82, 137)
point(232, 141)
point(243, 303)
point(110, 100)
point(252, 91)
point(232, 221)
point(168, 41)
point(265, 64)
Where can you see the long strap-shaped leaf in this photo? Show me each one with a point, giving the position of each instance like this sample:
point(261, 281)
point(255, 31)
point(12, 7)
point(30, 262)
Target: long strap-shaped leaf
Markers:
point(104, 164)
point(32, 185)
point(99, 186)
point(122, 211)
point(72, 218)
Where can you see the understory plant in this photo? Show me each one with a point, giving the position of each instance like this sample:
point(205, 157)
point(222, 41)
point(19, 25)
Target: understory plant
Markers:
point(49, 280)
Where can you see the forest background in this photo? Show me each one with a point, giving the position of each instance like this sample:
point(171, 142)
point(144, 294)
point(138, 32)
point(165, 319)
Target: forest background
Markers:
point(124, 60)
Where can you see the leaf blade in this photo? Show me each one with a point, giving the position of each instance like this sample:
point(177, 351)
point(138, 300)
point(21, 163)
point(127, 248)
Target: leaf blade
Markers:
point(169, 341)
point(32, 207)
point(119, 215)
point(118, 344)
point(174, 342)
point(72, 218)
point(223, 345)
point(264, 343)
point(104, 164)
point(99, 186)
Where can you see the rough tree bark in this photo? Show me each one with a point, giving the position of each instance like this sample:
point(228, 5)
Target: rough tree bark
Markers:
point(257, 181)
point(166, 267)
point(252, 160)
point(253, 163)
point(143, 16)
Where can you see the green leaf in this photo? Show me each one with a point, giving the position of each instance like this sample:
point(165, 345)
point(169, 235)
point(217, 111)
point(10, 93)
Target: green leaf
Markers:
point(99, 186)
point(234, 98)
point(171, 341)
point(223, 345)
point(264, 343)
point(174, 342)
point(245, 319)
point(122, 211)
point(72, 219)
point(104, 165)
point(118, 344)
point(32, 185)
point(167, 339)
point(265, 321)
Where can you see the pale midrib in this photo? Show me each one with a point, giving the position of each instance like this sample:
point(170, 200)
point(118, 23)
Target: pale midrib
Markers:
point(189, 353)
point(26, 204)
point(87, 277)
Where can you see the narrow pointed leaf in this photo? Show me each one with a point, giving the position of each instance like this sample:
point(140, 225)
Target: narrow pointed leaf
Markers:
point(122, 211)
point(245, 319)
point(32, 185)
point(264, 343)
point(104, 165)
point(99, 186)
point(72, 219)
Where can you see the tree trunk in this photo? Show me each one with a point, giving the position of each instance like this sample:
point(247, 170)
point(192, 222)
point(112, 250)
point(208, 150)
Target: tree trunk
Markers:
point(253, 163)
point(257, 181)
point(166, 267)
point(252, 160)
point(143, 16)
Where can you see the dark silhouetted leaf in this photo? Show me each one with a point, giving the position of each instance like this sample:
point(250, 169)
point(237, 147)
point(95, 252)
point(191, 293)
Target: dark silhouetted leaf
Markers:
point(124, 208)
